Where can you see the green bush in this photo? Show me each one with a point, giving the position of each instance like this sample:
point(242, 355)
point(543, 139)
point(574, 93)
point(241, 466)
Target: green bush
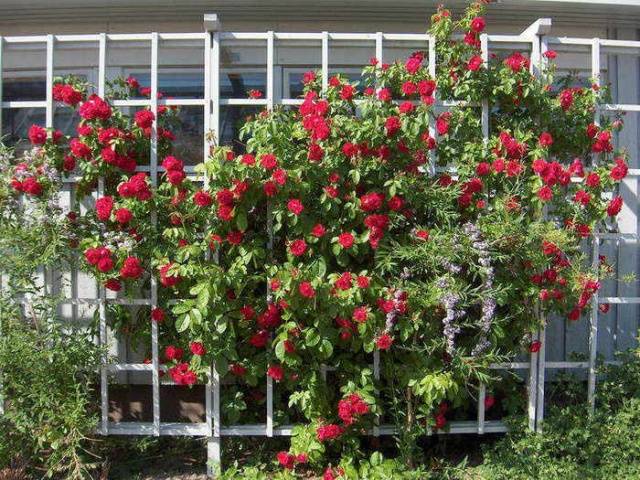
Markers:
point(50, 409)
point(575, 442)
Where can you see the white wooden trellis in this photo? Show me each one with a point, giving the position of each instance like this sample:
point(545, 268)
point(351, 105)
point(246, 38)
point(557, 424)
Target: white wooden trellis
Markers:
point(535, 38)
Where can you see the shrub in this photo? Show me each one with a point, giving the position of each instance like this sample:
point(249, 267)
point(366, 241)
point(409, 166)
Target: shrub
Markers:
point(353, 229)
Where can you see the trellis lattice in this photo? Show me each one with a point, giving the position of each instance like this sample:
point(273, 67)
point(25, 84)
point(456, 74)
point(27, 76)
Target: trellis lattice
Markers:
point(535, 38)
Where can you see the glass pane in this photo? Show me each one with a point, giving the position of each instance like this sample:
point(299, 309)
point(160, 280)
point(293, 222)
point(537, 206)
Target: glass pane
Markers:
point(231, 120)
point(23, 72)
point(243, 67)
point(16, 123)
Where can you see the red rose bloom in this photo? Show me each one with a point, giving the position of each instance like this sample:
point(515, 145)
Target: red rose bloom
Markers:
point(268, 161)
point(384, 341)
point(144, 118)
point(306, 290)
point(123, 216)
point(346, 240)
point(104, 205)
point(295, 206)
point(131, 268)
point(360, 314)
point(328, 432)
point(545, 139)
point(477, 24)
point(474, 63)
point(167, 279)
point(157, 314)
point(37, 135)
point(173, 353)
point(197, 348)
point(318, 230)
point(79, 149)
point(235, 237)
point(276, 372)
point(298, 248)
point(535, 346)
point(113, 285)
point(371, 201)
point(614, 207)
point(545, 193)
point(286, 459)
point(202, 199)
point(345, 281)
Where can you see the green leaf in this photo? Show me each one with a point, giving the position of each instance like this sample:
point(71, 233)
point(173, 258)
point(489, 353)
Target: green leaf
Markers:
point(312, 337)
point(183, 322)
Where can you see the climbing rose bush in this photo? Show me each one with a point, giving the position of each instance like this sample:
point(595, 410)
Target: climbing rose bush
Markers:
point(369, 253)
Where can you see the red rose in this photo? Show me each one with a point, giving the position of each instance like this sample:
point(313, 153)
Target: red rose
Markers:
point(295, 206)
point(362, 281)
point(474, 63)
point(172, 163)
point(237, 369)
point(259, 339)
point(298, 248)
point(286, 459)
point(79, 149)
point(346, 240)
point(574, 314)
point(315, 152)
point(131, 268)
point(385, 95)
point(105, 264)
point(545, 193)
point(29, 185)
point(517, 62)
point(37, 135)
point(269, 188)
point(202, 199)
point(371, 201)
point(157, 314)
point(384, 341)
point(392, 125)
point(175, 177)
point(168, 279)
point(442, 123)
point(279, 176)
point(545, 139)
point(477, 24)
point(95, 108)
point(318, 230)
point(395, 203)
point(248, 159)
point(104, 205)
point(328, 432)
point(197, 348)
point(276, 372)
point(614, 206)
point(173, 353)
point(620, 170)
point(535, 346)
point(426, 87)
point(345, 281)
point(409, 88)
point(593, 180)
point(550, 54)
point(306, 290)
point(347, 91)
point(268, 161)
point(123, 215)
point(360, 314)
point(413, 64)
point(144, 118)
point(113, 285)
point(235, 237)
